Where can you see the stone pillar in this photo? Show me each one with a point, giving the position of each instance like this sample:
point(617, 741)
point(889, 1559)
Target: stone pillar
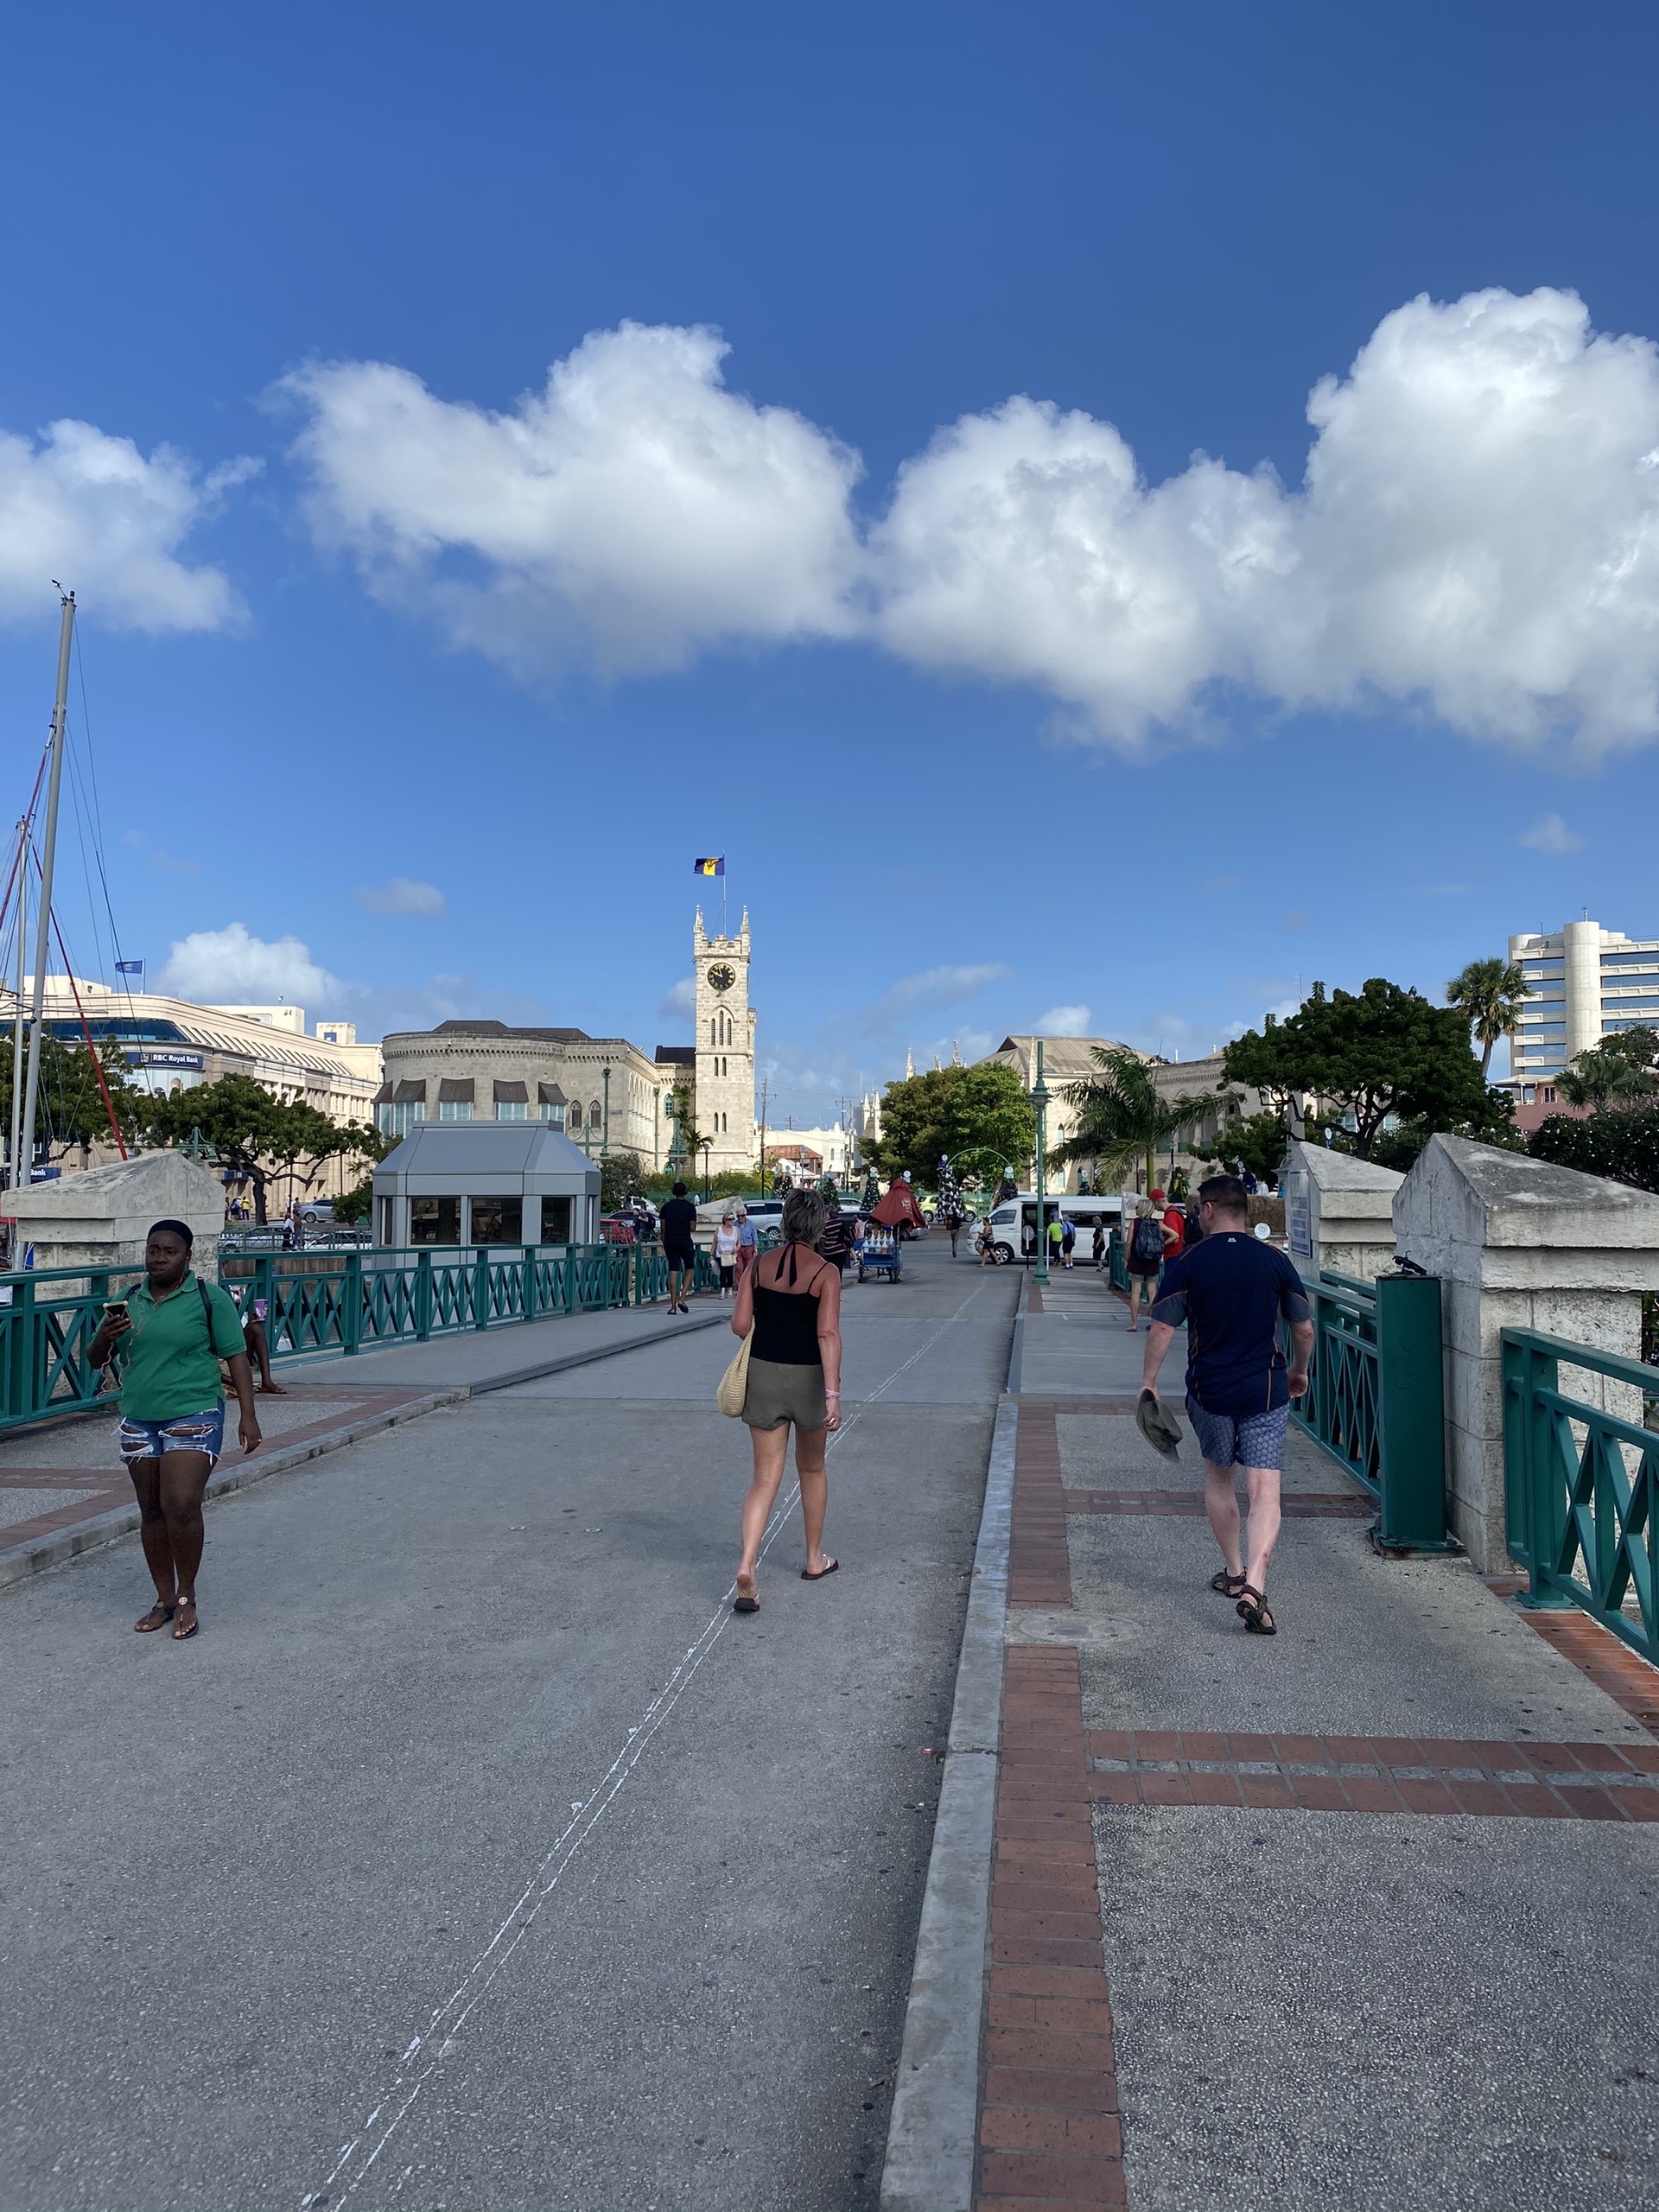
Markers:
point(1339, 1211)
point(100, 1219)
point(1520, 1243)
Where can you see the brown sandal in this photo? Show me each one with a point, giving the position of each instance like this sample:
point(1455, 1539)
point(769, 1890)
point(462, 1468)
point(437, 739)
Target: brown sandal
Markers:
point(1252, 1610)
point(1228, 1586)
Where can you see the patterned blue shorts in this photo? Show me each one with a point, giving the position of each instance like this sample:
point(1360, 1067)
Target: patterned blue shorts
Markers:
point(1256, 1440)
point(148, 1439)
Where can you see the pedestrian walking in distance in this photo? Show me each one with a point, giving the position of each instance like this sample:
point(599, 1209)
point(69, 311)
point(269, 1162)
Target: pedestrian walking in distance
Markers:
point(1231, 1290)
point(726, 1252)
point(175, 1330)
point(678, 1218)
point(1144, 1258)
point(746, 1239)
point(791, 1299)
point(1098, 1254)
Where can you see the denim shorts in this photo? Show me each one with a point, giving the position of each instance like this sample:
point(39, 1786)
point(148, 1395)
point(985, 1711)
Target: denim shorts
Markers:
point(1228, 1441)
point(148, 1439)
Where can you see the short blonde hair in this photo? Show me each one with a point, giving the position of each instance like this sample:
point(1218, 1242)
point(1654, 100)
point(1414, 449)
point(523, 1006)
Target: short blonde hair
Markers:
point(1145, 1210)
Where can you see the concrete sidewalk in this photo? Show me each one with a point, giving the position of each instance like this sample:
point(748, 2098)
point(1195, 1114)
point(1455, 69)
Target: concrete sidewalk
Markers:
point(64, 1491)
point(1073, 1340)
point(1356, 1915)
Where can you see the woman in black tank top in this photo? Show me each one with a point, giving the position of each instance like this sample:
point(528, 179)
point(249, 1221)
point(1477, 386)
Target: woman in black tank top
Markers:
point(791, 1300)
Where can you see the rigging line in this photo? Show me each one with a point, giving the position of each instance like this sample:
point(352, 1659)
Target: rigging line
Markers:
point(78, 806)
point(98, 1064)
point(97, 797)
point(29, 818)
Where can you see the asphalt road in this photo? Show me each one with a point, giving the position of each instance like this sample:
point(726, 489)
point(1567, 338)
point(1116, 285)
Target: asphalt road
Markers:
point(474, 1856)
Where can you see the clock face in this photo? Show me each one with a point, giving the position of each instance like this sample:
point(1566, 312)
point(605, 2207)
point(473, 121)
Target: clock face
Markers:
point(720, 977)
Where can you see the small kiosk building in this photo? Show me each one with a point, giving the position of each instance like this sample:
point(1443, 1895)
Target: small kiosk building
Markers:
point(486, 1182)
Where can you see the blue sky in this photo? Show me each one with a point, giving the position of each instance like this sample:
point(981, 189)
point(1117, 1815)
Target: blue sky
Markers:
point(999, 712)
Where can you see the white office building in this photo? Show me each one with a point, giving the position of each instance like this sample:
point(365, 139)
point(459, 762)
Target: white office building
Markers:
point(1585, 983)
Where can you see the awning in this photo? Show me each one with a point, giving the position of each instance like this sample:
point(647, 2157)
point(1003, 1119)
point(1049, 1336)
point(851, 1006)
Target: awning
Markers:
point(454, 1091)
point(549, 1094)
point(511, 1094)
point(382, 1097)
point(410, 1093)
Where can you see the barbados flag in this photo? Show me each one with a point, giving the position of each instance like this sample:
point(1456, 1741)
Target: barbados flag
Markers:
point(708, 867)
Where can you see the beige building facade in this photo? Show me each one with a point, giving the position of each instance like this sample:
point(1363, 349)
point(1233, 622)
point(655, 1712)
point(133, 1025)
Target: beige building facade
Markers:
point(603, 1091)
point(724, 1098)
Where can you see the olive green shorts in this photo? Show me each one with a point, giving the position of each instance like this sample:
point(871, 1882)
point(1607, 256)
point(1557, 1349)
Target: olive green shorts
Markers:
point(778, 1393)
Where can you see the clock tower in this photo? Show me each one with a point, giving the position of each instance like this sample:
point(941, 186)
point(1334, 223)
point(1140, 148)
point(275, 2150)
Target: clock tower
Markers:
point(724, 1107)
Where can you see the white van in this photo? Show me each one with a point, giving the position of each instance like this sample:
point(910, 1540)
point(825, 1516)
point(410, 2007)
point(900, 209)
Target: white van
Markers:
point(1014, 1224)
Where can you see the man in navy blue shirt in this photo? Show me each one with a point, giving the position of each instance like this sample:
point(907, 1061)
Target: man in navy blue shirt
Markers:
point(1232, 1289)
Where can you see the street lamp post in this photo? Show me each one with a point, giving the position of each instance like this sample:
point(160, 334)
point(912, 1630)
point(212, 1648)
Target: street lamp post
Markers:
point(1040, 1097)
point(605, 1126)
point(707, 1147)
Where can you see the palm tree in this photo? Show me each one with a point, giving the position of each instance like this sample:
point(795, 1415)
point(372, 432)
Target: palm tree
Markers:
point(1488, 994)
point(1603, 1078)
point(1121, 1119)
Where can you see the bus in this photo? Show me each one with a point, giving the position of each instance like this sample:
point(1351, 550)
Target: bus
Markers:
point(1014, 1224)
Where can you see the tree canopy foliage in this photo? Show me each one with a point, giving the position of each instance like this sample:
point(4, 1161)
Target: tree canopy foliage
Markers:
point(70, 1107)
point(1256, 1142)
point(1122, 1120)
point(257, 1135)
point(948, 1110)
point(1616, 1072)
point(1623, 1146)
point(1371, 1053)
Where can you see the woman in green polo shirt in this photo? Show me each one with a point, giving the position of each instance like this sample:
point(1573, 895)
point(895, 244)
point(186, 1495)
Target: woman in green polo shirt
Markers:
point(175, 1331)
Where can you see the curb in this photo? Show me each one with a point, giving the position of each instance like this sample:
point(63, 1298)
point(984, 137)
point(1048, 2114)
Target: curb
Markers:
point(31, 1559)
point(932, 2134)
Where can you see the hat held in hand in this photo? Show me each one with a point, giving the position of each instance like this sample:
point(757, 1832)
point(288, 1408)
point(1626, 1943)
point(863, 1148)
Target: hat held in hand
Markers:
point(1158, 1425)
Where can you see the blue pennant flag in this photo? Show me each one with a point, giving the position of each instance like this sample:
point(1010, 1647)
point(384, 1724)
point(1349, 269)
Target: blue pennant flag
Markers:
point(128, 967)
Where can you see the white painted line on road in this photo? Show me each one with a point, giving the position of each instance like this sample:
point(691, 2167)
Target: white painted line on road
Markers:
point(357, 2159)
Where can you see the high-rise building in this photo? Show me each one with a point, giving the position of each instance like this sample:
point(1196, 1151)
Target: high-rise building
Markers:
point(1585, 983)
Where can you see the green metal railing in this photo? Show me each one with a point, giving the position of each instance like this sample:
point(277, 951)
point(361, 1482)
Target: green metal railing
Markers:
point(1375, 1398)
point(1580, 1486)
point(346, 1302)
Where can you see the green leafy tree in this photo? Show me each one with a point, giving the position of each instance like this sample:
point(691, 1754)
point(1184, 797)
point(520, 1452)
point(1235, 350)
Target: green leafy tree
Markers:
point(69, 1110)
point(621, 1177)
point(1616, 1072)
point(1256, 1142)
point(1488, 993)
point(258, 1136)
point(1121, 1118)
point(1624, 1146)
point(949, 1110)
point(1368, 1054)
point(358, 1203)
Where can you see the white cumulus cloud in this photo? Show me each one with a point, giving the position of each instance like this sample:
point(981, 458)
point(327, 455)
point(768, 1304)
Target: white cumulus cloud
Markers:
point(90, 510)
point(400, 895)
point(1063, 1021)
point(1478, 530)
point(632, 514)
point(679, 1001)
point(230, 967)
point(1549, 834)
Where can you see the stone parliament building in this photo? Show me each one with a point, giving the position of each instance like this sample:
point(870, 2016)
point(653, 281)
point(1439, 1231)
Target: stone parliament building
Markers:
point(608, 1094)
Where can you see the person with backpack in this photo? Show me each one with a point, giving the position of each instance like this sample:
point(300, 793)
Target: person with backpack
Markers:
point(182, 1339)
point(1069, 1239)
point(1144, 1258)
point(1056, 1241)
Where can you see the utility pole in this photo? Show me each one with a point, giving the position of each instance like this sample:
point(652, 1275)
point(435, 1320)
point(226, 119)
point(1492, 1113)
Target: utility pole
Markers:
point(18, 1026)
point(765, 1094)
point(59, 718)
point(1040, 1098)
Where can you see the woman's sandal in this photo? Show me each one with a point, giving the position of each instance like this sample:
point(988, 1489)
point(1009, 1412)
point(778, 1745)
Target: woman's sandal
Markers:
point(157, 1616)
point(808, 1576)
point(746, 1601)
point(180, 1634)
point(1228, 1586)
point(1252, 1610)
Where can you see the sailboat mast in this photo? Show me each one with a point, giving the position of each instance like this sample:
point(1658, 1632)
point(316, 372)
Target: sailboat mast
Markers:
point(59, 718)
point(17, 1024)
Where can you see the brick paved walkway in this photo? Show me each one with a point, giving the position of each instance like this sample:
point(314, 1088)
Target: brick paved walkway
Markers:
point(1132, 1697)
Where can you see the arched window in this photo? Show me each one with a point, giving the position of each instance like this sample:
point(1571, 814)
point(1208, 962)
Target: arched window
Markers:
point(593, 1114)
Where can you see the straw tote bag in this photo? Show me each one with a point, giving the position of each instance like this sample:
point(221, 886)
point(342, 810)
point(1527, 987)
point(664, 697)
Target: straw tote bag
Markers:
point(734, 1388)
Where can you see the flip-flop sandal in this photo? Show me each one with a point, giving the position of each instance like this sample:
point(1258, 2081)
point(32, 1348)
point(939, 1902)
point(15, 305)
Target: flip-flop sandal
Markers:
point(184, 1635)
point(157, 1616)
point(822, 1572)
point(1228, 1586)
point(742, 1605)
point(1252, 1610)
